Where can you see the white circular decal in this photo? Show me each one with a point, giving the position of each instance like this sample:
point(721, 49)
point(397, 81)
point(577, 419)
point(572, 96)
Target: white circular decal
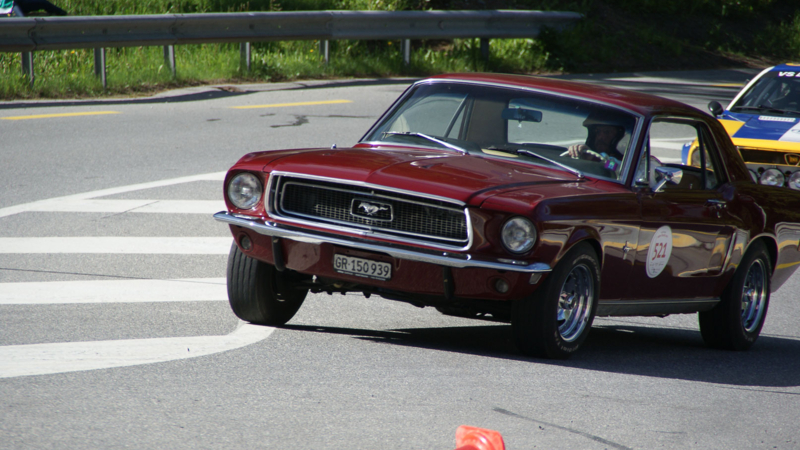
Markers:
point(659, 252)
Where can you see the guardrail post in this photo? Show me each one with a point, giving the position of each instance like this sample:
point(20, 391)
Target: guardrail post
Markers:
point(27, 66)
point(325, 50)
point(169, 58)
point(100, 65)
point(244, 52)
point(405, 48)
point(485, 49)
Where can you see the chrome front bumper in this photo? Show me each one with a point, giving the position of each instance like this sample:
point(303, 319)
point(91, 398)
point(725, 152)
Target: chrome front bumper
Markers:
point(448, 259)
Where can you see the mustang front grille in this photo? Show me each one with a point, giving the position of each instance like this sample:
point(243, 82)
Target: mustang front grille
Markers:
point(371, 208)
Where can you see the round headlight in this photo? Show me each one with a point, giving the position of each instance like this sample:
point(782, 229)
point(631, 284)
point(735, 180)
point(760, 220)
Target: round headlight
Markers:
point(519, 235)
point(794, 181)
point(244, 190)
point(771, 177)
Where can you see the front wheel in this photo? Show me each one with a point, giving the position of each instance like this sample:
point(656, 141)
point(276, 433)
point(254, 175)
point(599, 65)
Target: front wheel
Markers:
point(258, 293)
point(554, 321)
point(736, 321)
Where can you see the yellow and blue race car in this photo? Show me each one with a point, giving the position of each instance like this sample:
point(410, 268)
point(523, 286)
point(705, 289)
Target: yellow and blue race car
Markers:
point(763, 121)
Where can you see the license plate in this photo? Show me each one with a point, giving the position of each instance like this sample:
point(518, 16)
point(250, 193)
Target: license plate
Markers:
point(362, 267)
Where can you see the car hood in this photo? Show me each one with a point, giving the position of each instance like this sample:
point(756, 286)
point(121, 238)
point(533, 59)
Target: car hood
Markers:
point(466, 178)
point(781, 132)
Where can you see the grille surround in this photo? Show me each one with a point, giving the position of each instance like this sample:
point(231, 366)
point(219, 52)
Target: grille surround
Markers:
point(403, 216)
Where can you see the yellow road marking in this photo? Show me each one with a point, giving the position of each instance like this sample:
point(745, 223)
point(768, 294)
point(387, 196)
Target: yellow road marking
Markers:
point(47, 116)
point(727, 85)
point(281, 105)
point(787, 265)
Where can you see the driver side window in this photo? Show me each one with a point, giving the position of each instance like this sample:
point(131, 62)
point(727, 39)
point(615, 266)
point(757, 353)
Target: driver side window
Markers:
point(680, 144)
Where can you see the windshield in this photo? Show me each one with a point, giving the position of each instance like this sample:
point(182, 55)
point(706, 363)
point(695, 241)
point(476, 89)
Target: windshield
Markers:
point(773, 93)
point(510, 123)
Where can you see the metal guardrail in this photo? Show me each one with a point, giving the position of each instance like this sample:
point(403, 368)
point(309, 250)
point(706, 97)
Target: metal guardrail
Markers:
point(30, 34)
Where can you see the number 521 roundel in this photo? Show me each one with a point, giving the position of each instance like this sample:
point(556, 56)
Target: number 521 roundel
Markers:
point(659, 251)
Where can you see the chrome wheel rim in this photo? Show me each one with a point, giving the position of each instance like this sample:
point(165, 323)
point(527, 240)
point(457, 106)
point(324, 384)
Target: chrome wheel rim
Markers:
point(575, 303)
point(754, 296)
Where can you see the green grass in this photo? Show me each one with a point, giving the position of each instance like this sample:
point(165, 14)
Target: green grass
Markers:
point(142, 70)
point(617, 35)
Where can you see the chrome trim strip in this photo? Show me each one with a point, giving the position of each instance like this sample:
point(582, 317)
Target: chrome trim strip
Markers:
point(729, 253)
point(459, 208)
point(372, 232)
point(739, 240)
point(279, 173)
point(443, 259)
point(655, 307)
point(691, 301)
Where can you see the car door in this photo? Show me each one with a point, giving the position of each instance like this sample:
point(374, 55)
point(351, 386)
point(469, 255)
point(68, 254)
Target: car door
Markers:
point(686, 228)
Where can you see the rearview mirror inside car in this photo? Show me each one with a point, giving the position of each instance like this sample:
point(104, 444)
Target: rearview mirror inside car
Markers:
point(522, 115)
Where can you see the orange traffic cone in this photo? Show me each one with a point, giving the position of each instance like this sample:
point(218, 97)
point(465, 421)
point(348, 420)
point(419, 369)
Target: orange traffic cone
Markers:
point(472, 438)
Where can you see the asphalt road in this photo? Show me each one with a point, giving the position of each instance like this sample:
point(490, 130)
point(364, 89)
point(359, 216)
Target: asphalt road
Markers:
point(115, 330)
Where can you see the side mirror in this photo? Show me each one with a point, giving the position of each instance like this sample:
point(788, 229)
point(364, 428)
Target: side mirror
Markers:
point(666, 175)
point(715, 108)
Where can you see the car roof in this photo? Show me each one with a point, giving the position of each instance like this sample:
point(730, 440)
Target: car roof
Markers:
point(786, 67)
point(637, 102)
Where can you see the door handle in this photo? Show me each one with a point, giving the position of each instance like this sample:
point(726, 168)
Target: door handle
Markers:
point(717, 206)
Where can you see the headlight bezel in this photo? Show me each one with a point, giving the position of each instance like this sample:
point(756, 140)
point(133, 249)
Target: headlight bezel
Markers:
point(245, 190)
point(518, 235)
point(794, 181)
point(772, 177)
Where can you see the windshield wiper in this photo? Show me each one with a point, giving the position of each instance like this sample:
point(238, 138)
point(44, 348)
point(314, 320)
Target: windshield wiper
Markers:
point(425, 136)
point(746, 108)
point(577, 172)
point(762, 108)
point(504, 150)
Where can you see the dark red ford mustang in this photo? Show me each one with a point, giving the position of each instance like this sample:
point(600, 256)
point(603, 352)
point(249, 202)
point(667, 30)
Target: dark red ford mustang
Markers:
point(526, 200)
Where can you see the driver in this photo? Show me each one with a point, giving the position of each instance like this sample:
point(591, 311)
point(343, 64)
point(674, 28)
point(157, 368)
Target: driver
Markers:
point(788, 97)
point(601, 142)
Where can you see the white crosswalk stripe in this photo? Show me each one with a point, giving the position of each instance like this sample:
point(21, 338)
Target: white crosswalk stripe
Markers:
point(132, 206)
point(42, 359)
point(113, 291)
point(59, 357)
point(117, 245)
point(50, 203)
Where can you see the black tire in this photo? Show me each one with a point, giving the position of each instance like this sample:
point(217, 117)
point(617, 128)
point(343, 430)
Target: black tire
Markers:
point(257, 293)
point(736, 321)
point(546, 326)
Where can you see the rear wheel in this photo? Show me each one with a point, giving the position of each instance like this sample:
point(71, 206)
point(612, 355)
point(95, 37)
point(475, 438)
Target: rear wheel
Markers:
point(736, 322)
point(554, 321)
point(258, 293)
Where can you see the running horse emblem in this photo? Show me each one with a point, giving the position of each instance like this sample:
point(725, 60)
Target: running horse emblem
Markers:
point(371, 209)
